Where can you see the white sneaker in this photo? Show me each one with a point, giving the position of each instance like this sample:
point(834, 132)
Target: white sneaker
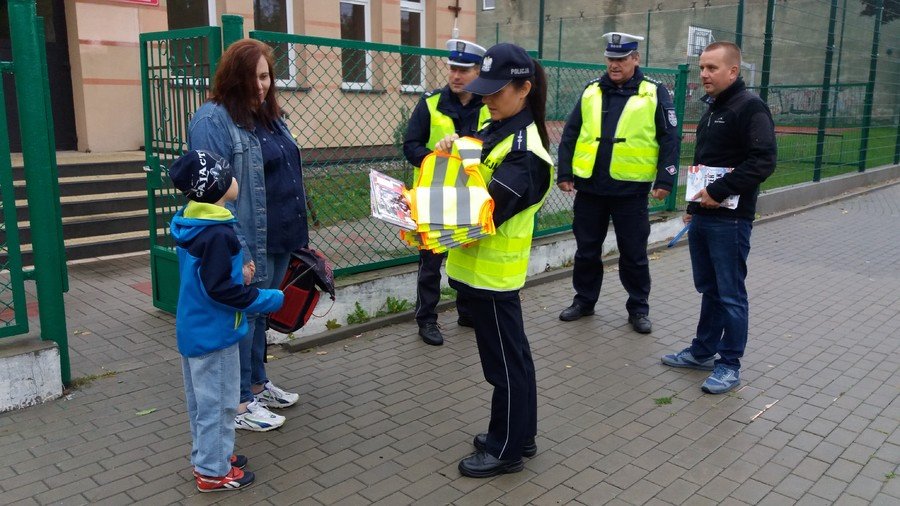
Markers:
point(274, 397)
point(258, 419)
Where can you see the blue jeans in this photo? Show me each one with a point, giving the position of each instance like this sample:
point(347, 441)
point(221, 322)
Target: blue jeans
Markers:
point(719, 249)
point(211, 392)
point(253, 345)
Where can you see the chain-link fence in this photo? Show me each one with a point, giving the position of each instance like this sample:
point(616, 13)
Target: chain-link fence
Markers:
point(348, 103)
point(796, 54)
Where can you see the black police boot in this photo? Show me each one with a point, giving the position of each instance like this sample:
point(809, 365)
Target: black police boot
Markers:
point(640, 323)
point(431, 334)
point(465, 321)
point(529, 447)
point(574, 312)
point(482, 464)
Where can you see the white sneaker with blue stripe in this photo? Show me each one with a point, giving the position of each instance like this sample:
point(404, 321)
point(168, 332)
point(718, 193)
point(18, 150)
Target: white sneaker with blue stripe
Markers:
point(274, 397)
point(257, 419)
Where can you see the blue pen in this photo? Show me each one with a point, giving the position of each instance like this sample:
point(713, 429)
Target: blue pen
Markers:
point(677, 237)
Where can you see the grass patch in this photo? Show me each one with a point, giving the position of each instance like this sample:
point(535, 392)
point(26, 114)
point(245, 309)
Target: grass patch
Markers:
point(393, 306)
point(662, 401)
point(359, 315)
point(448, 293)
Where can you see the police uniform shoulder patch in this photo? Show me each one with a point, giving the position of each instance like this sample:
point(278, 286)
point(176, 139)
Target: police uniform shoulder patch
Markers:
point(672, 117)
point(520, 141)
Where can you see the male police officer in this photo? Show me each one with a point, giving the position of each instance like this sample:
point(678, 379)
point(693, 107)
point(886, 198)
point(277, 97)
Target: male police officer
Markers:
point(619, 139)
point(443, 112)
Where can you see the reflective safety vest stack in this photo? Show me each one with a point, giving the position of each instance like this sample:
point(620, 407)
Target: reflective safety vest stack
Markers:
point(450, 202)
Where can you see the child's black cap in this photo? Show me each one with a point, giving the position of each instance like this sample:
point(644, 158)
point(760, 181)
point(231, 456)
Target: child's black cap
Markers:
point(201, 176)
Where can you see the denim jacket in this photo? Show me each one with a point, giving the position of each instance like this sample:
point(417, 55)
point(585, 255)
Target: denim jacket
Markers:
point(212, 129)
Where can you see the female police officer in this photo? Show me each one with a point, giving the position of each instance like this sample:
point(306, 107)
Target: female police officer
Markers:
point(489, 274)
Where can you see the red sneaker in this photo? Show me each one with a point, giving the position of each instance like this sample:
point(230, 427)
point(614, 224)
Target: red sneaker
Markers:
point(235, 479)
point(238, 461)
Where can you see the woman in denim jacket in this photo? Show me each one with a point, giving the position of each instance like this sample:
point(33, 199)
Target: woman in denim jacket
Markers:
point(242, 122)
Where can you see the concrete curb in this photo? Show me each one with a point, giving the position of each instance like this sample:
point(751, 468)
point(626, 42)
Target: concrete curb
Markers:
point(344, 332)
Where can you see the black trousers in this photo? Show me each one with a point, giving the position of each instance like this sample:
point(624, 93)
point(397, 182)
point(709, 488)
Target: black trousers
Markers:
point(591, 223)
point(428, 287)
point(507, 365)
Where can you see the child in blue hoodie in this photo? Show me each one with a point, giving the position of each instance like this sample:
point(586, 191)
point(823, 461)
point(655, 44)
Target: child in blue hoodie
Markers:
point(209, 321)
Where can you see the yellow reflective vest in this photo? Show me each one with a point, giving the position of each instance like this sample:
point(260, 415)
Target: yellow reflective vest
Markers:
point(499, 262)
point(633, 159)
point(442, 125)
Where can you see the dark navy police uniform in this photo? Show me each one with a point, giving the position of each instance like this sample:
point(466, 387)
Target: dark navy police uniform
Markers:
point(600, 197)
point(519, 182)
point(465, 120)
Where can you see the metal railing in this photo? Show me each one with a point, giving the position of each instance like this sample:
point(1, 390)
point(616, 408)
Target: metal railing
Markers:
point(29, 66)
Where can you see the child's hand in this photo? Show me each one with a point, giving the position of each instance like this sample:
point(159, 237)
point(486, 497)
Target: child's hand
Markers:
point(249, 270)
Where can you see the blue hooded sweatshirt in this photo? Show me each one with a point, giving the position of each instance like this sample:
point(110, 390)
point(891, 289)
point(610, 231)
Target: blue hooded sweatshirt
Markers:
point(212, 298)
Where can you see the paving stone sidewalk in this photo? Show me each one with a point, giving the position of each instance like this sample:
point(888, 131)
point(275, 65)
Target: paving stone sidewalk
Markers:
point(384, 419)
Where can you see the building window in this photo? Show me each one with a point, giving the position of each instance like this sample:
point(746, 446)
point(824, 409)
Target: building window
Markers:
point(356, 64)
point(412, 33)
point(278, 16)
point(191, 13)
point(488, 5)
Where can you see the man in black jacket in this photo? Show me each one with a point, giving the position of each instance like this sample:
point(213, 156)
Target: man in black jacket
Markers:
point(736, 132)
point(612, 155)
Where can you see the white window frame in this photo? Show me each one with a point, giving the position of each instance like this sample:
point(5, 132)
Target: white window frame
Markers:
point(486, 6)
point(181, 81)
point(211, 9)
point(367, 85)
point(418, 7)
point(291, 81)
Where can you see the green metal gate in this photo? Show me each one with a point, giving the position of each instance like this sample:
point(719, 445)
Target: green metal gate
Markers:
point(29, 71)
point(176, 71)
point(347, 103)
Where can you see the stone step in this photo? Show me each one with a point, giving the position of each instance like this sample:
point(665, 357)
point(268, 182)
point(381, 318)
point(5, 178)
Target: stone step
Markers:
point(93, 225)
point(89, 184)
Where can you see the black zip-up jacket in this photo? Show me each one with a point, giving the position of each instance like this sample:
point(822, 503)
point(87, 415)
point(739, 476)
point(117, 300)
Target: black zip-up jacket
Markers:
point(614, 99)
point(465, 119)
point(736, 131)
point(521, 180)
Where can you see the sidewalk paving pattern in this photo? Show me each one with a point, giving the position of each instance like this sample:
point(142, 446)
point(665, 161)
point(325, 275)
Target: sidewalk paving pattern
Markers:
point(384, 418)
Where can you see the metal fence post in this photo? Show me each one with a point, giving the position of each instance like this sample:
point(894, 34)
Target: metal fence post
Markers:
point(681, 83)
point(559, 42)
point(33, 115)
point(826, 83)
point(837, 71)
point(897, 142)
point(232, 29)
point(870, 89)
point(739, 25)
point(767, 52)
point(647, 63)
point(540, 34)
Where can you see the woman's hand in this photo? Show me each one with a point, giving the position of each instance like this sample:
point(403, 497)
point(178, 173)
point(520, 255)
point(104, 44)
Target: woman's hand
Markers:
point(446, 143)
point(249, 270)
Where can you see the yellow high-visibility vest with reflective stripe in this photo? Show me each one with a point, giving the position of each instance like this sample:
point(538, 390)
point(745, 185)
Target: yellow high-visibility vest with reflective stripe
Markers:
point(500, 262)
point(633, 159)
point(442, 125)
